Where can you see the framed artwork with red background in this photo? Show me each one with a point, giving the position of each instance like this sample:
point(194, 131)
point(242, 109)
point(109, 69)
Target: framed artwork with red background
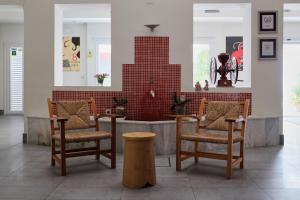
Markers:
point(234, 47)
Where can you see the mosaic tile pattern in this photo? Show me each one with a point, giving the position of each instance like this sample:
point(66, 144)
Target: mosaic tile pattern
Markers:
point(197, 96)
point(151, 72)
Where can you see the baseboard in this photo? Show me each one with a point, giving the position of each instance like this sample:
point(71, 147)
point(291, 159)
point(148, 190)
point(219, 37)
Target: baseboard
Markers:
point(1, 112)
point(24, 138)
point(281, 139)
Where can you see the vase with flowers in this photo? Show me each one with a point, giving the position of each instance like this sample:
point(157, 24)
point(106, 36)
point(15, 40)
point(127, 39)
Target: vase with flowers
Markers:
point(100, 78)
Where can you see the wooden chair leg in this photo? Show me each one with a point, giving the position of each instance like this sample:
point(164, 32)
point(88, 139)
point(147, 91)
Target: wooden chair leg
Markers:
point(113, 143)
point(196, 151)
point(229, 151)
point(63, 158)
point(98, 150)
point(178, 144)
point(52, 152)
point(229, 160)
point(178, 155)
point(242, 154)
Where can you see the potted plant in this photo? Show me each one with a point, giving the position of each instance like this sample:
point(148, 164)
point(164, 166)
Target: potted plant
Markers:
point(100, 78)
point(178, 106)
point(119, 105)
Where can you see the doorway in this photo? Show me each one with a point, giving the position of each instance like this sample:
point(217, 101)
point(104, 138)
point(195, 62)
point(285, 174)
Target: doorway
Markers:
point(291, 60)
point(291, 79)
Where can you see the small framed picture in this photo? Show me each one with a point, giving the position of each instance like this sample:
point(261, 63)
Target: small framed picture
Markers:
point(267, 48)
point(267, 21)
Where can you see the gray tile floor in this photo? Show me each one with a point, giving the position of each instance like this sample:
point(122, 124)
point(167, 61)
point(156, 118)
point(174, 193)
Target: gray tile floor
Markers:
point(25, 173)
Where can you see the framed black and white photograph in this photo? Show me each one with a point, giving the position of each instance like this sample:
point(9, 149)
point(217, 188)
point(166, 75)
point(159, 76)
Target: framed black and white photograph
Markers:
point(267, 21)
point(267, 48)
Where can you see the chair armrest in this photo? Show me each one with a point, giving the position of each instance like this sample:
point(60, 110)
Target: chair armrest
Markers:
point(61, 121)
point(58, 119)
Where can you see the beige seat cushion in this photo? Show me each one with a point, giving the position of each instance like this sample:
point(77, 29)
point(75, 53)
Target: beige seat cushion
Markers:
point(77, 113)
point(84, 136)
point(218, 111)
point(211, 138)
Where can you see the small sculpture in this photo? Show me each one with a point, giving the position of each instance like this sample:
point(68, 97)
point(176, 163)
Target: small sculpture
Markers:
point(198, 87)
point(228, 66)
point(206, 85)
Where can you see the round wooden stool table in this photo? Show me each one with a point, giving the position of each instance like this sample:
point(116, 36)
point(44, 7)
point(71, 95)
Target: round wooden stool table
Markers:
point(139, 161)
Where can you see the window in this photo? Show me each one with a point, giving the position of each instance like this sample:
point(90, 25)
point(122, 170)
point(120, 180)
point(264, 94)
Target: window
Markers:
point(201, 57)
point(85, 49)
point(104, 61)
point(220, 28)
point(16, 80)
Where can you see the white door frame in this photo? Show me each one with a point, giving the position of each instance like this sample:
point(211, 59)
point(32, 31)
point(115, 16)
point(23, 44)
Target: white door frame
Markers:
point(6, 56)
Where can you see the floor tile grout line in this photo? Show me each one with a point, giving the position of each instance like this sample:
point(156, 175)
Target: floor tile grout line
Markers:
point(54, 189)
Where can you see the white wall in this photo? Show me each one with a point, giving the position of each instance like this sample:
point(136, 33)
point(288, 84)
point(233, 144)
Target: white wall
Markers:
point(9, 34)
point(128, 18)
point(212, 30)
point(58, 29)
point(176, 21)
point(95, 31)
point(292, 30)
point(267, 74)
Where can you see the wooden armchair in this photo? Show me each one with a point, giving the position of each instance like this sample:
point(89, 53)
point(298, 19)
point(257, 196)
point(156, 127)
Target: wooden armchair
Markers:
point(220, 116)
point(70, 122)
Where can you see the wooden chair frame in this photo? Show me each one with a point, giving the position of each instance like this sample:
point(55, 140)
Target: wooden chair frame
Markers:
point(68, 153)
point(232, 160)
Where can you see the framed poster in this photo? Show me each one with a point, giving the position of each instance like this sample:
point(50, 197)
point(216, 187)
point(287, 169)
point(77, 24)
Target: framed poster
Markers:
point(234, 48)
point(71, 54)
point(267, 21)
point(267, 48)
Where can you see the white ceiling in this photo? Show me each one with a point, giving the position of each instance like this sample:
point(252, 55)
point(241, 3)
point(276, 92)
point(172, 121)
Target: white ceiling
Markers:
point(11, 14)
point(227, 12)
point(84, 13)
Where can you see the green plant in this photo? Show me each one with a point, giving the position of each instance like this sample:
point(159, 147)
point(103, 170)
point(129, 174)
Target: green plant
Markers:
point(120, 101)
point(296, 93)
point(100, 77)
point(177, 102)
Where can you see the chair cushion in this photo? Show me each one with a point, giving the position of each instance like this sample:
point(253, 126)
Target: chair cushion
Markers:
point(211, 138)
point(218, 111)
point(83, 136)
point(77, 113)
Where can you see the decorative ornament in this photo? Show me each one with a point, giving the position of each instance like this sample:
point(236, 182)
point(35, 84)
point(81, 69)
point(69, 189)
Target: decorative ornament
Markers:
point(206, 85)
point(197, 87)
point(227, 66)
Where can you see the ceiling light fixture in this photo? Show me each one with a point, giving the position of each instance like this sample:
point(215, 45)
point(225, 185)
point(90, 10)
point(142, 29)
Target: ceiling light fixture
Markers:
point(152, 26)
point(212, 11)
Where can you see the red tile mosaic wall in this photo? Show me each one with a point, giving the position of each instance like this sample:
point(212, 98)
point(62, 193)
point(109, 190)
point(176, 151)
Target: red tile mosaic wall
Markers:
point(151, 72)
point(197, 96)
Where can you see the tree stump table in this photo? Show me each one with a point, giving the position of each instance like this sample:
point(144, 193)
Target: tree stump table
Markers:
point(139, 161)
